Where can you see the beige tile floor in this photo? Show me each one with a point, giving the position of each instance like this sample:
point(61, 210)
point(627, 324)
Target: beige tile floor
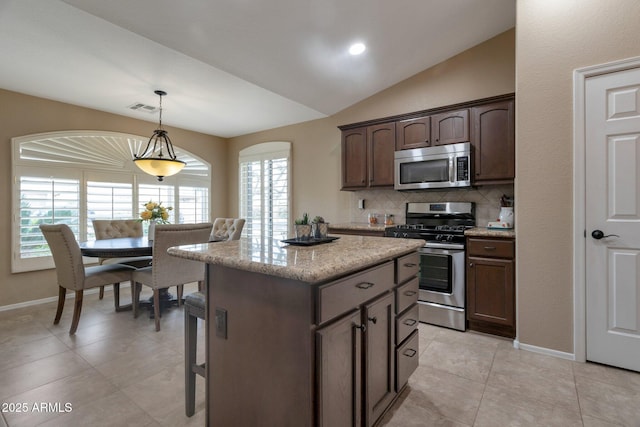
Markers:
point(117, 371)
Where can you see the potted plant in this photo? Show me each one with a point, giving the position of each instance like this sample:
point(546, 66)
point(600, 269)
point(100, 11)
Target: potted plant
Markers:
point(302, 227)
point(320, 228)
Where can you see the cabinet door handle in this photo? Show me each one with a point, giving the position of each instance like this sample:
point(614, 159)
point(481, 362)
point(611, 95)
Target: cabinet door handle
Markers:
point(364, 285)
point(373, 320)
point(489, 248)
point(410, 264)
point(470, 264)
point(409, 293)
point(410, 322)
point(409, 352)
point(363, 328)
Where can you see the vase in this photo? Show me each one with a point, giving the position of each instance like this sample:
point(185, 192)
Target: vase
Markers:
point(303, 231)
point(152, 230)
point(320, 230)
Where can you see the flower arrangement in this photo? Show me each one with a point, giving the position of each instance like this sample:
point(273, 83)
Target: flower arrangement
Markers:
point(155, 211)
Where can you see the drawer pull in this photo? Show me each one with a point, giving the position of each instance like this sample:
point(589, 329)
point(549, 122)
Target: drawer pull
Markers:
point(410, 264)
point(363, 328)
point(364, 285)
point(409, 352)
point(373, 320)
point(409, 293)
point(410, 322)
point(489, 248)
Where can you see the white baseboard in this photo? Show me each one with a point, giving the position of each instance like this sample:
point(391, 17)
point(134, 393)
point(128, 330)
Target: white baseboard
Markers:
point(49, 299)
point(543, 350)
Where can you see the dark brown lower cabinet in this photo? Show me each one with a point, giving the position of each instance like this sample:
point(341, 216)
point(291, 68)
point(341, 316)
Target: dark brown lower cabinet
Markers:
point(379, 356)
point(491, 286)
point(356, 365)
point(339, 348)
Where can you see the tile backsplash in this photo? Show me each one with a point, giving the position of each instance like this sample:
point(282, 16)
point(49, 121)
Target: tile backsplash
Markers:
point(486, 198)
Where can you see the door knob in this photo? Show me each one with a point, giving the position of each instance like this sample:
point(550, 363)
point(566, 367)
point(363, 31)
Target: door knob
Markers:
point(598, 234)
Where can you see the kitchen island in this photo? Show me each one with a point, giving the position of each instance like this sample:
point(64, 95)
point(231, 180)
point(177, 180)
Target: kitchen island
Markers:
point(322, 335)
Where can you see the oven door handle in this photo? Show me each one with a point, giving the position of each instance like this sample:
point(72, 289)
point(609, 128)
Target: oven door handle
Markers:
point(435, 254)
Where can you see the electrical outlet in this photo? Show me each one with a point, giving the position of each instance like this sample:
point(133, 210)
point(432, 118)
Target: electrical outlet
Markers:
point(221, 323)
point(360, 203)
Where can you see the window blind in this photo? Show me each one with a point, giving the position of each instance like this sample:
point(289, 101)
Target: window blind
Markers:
point(264, 191)
point(45, 201)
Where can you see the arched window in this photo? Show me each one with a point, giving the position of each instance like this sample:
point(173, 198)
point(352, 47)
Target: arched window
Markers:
point(74, 177)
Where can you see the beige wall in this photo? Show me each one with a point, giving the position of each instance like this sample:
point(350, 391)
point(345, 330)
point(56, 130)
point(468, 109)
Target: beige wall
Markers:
point(553, 38)
point(24, 115)
point(483, 71)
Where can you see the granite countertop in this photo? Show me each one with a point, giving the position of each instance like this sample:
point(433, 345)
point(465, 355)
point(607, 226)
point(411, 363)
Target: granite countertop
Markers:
point(358, 226)
point(311, 264)
point(490, 232)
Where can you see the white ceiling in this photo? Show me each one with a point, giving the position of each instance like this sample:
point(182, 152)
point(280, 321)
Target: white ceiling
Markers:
point(232, 67)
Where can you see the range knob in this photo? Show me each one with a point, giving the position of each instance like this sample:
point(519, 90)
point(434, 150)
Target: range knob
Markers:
point(405, 234)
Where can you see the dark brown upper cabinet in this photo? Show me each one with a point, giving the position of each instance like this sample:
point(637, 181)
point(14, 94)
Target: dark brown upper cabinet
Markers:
point(381, 143)
point(450, 128)
point(354, 158)
point(413, 133)
point(367, 156)
point(493, 140)
point(489, 124)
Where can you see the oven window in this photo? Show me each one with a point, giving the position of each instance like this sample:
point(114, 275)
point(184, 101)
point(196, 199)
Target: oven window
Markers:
point(425, 171)
point(436, 273)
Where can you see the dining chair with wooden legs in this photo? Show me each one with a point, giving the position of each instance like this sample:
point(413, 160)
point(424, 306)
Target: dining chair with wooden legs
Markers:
point(166, 270)
point(71, 272)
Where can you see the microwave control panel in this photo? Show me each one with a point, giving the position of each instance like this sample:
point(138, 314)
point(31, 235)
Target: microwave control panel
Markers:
point(462, 167)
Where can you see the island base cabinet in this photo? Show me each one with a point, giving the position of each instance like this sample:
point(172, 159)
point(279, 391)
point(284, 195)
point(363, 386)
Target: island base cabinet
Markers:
point(339, 348)
point(356, 363)
point(379, 350)
point(282, 352)
point(407, 356)
point(258, 364)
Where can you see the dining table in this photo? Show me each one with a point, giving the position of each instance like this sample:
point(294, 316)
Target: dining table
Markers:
point(125, 247)
point(120, 247)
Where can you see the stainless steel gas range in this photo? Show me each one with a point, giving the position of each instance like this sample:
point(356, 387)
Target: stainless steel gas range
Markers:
point(442, 296)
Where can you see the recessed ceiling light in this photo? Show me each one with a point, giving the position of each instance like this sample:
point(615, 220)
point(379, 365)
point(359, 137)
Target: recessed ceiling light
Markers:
point(357, 48)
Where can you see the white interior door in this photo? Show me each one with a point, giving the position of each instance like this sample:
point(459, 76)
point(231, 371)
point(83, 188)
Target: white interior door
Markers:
point(613, 210)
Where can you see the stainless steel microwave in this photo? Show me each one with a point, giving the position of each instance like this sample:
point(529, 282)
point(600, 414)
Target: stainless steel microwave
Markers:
point(441, 166)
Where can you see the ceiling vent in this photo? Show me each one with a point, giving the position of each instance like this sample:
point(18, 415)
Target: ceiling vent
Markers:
point(138, 106)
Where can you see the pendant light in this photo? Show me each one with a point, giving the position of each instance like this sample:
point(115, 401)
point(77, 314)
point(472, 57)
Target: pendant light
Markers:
point(156, 162)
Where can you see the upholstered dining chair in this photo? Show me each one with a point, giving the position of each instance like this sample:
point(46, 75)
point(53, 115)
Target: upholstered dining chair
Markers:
point(71, 272)
point(113, 229)
point(166, 270)
point(227, 228)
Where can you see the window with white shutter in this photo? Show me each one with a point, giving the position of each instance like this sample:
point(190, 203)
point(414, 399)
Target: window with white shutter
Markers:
point(43, 200)
point(194, 204)
point(108, 200)
point(265, 190)
point(73, 177)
